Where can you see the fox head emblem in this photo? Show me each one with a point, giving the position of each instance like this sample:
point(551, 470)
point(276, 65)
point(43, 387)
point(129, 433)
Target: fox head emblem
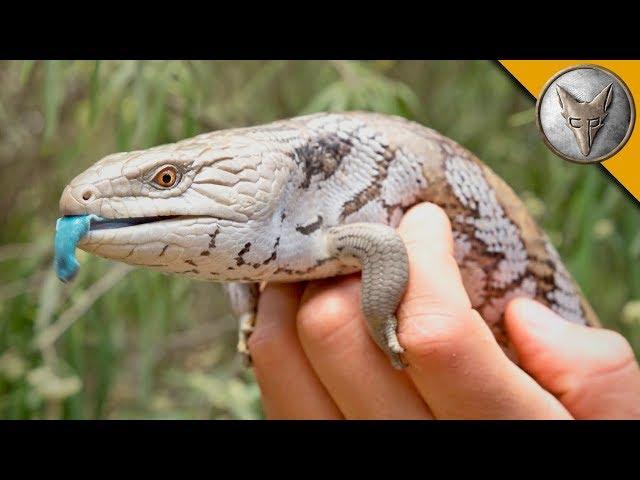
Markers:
point(585, 118)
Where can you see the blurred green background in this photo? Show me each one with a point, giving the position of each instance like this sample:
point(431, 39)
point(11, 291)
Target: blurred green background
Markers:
point(122, 343)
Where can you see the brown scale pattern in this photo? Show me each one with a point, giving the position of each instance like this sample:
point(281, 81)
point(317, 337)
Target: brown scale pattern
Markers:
point(540, 266)
point(372, 191)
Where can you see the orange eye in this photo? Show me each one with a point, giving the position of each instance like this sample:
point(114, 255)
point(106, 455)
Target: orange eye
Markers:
point(166, 177)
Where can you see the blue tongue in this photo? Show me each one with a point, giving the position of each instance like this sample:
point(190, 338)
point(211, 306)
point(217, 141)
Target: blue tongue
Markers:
point(69, 231)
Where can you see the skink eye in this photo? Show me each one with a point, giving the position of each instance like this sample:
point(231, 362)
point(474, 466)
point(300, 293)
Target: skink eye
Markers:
point(166, 177)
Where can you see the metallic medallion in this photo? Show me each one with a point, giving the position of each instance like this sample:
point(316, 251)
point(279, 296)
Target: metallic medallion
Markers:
point(585, 113)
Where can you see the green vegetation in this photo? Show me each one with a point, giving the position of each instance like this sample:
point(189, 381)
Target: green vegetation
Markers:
point(122, 343)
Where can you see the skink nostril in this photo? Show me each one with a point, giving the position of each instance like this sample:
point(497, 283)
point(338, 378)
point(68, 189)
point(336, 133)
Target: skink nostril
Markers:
point(76, 201)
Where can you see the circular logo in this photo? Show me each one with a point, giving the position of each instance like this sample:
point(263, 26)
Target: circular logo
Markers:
point(585, 113)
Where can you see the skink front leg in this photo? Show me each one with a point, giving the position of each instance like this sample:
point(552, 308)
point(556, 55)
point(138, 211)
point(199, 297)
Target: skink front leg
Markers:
point(385, 272)
point(243, 298)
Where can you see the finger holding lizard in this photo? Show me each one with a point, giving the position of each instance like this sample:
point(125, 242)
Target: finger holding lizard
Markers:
point(290, 388)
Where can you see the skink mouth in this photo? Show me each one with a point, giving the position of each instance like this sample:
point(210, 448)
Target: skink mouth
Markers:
point(110, 223)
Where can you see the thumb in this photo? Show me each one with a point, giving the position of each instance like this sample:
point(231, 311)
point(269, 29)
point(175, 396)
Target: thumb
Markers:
point(592, 371)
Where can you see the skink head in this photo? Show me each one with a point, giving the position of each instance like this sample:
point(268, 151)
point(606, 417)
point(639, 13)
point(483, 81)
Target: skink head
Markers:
point(168, 205)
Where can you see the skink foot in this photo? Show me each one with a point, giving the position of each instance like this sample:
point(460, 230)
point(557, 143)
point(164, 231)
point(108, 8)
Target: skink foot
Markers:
point(247, 324)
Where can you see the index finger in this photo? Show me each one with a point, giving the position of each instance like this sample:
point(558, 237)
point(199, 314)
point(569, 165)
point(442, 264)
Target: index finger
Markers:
point(453, 358)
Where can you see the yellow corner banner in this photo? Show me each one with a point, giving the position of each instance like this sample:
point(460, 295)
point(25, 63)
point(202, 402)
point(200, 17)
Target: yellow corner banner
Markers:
point(534, 74)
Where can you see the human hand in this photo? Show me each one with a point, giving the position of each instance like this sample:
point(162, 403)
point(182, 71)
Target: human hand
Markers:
point(313, 356)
